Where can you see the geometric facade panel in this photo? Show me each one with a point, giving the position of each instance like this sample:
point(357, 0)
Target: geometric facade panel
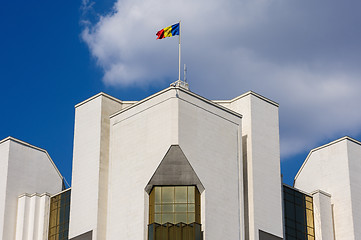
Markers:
point(174, 170)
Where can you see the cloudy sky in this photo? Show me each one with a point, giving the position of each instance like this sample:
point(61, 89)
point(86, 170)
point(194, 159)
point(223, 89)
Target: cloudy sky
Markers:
point(305, 55)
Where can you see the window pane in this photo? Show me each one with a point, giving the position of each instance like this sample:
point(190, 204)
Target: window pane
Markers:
point(309, 205)
point(157, 194)
point(307, 198)
point(191, 197)
point(310, 231)
point(168, 194)
point(180, 208)
point(191, 218)
point(157, 208)
point(157, 218)
point(174, 204)
point(191, 208)
point(167, 208)
point(181, 194)
point(181, 217)
point(309, 216)
point(167, 217)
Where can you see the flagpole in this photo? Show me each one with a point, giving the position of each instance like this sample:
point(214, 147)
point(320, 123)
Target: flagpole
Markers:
point(179, 54)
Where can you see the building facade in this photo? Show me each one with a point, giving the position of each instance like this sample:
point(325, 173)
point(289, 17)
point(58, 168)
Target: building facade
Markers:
point(176, 165)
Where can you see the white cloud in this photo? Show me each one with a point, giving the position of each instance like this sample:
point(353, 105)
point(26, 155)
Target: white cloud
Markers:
point(305, 55)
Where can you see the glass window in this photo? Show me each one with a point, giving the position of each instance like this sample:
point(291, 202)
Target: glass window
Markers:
point(298, 209)
point(167, 195)
point(174, 204)
point(59, 216)
point(180, 194)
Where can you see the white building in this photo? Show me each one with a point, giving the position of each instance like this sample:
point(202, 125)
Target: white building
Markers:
point(176, 164)
point(28, 177)
point(332, 174)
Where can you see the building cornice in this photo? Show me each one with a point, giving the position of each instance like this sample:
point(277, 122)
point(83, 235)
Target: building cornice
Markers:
point(103, 95)
point(321, 192)
point(179, 89)
point(246, 94)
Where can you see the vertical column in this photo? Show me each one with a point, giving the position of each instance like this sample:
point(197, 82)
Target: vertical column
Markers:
point(21, 217)
point(322, 211)
point(32, 217)
point(261, 157)
point(88, 207)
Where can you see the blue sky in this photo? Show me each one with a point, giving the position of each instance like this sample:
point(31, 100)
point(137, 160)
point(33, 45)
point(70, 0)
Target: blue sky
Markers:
point(305, 56)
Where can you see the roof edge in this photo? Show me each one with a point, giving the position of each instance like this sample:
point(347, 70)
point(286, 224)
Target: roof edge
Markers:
point(321, 147)
point(63, 191)
point(33, 147)
point(322, 192)
point(297, 189)
point(212, 103)
point(141, 101)
point(249, 93)
point(183, 90)
point(98, 95)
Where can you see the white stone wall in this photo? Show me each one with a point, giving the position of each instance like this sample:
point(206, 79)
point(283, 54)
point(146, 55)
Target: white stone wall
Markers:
point(140, 138)
point(32, 220)
point(331, 169)
point(322, 211)
point(261, 156)
point(90, 165)
point(30, 170)
point(210, 139)
point(354, 157)
point(4, 156)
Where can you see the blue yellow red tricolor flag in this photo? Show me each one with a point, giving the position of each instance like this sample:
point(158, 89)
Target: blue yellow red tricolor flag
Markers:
point(168, 31)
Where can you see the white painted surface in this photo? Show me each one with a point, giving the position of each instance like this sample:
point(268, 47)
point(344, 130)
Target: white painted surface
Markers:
point(208, 137)
point(29, 169)
point(354, 157)
point(260, 139)
point(211, 137)
point(141, 136)
point(90, 165)
point(32, 217)
point(335, 169)
point(85, 174)
point(4, 161)
point(322, 212)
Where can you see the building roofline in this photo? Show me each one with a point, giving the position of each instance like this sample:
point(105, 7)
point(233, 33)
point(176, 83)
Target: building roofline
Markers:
point(33, 147)
point(183, 90)
point(301, 191)
point(249, 93)
point(34, 194)
point(322, 192)
point(104, 95)
point(63, 191)
point(321, 147)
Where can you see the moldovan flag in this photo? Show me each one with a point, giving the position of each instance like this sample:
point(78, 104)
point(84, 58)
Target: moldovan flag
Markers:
point(168, 31)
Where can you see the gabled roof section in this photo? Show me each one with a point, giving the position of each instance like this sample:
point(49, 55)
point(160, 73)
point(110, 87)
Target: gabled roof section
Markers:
point(33, 147)
point(182, 90)
point(104, 95)
point(322, 147)
point(246, 94)
point(174, 169)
